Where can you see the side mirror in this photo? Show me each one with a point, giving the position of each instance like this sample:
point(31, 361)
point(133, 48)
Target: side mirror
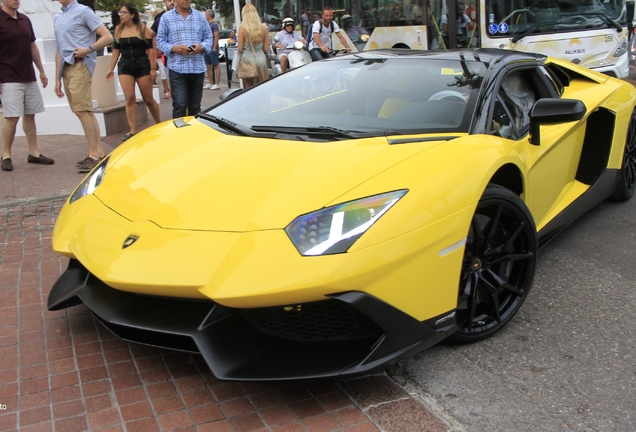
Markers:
point(629, 9)
point(230, 93)
point(553, 111)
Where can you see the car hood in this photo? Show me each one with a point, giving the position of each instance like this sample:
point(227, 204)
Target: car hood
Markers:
point(196, 178)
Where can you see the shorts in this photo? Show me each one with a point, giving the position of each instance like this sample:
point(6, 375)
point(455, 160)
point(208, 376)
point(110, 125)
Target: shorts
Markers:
point(77, 85)
point(19, 99)
point(212, 58)
point(136, 67)
point(280, 54)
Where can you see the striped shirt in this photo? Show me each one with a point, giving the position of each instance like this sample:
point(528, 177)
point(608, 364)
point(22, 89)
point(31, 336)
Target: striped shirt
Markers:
point(175, 30)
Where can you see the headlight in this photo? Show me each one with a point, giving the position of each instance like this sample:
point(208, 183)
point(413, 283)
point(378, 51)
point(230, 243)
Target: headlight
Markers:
point(334, 229)
point(621, 49)
point(90, 183)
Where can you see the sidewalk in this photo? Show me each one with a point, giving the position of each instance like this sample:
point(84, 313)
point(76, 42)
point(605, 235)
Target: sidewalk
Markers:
point(64, 371)
point(32, 182)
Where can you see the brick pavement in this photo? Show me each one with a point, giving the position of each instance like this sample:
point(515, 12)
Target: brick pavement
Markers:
point(63, 371)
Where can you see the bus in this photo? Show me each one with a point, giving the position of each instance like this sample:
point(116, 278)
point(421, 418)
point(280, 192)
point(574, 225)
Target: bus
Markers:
point(592, 33)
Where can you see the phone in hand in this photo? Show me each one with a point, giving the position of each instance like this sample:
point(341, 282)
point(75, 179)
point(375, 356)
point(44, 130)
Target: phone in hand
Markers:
point(191, 48)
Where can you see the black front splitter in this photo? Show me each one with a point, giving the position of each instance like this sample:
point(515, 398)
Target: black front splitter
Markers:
point(233, 348)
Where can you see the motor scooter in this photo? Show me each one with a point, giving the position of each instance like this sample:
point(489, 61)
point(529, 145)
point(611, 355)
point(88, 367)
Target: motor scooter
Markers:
point(299, 56)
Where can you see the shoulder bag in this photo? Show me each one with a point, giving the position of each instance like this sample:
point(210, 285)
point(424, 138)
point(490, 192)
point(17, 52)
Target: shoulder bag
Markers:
point(246, 69)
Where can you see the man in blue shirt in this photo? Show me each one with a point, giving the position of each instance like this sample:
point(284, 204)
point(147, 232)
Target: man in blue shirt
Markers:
point(184, 36)
point(76, 27)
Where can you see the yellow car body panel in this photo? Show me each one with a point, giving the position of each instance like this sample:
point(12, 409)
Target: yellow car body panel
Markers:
point(170, 185)
point(224, 228)
point(258, 269)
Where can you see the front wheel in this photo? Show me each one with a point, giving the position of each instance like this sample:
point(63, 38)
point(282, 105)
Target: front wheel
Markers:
point(498, 267)
point(626, 182)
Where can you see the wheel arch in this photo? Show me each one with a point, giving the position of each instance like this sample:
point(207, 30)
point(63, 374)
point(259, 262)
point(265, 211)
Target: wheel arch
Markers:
point(509, 176)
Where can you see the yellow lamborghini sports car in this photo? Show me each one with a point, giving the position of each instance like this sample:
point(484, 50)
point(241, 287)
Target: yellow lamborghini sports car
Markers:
point(348, 213)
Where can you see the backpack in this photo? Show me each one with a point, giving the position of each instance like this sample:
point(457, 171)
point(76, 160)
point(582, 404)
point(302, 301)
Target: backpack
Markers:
point(310, 34)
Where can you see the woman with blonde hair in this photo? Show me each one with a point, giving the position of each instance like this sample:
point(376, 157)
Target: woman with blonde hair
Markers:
point(138, 63)
point(253, 43)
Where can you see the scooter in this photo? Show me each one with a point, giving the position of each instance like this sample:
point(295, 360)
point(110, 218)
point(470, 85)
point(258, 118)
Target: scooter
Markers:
point(299, 56)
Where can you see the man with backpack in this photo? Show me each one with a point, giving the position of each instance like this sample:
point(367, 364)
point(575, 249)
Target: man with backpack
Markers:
point(319, 37)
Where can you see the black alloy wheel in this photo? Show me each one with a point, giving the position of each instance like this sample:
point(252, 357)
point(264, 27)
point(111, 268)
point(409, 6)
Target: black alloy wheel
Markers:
point(626, 182)
point(498, 267)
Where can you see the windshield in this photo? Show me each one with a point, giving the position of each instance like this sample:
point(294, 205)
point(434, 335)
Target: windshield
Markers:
point(372, 96)
point(515, 17)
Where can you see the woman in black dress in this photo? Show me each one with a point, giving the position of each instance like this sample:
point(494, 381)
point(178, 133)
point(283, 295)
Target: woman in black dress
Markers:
point(138, 63)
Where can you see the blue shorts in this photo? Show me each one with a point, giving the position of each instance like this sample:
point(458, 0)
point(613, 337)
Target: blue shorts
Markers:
point(212, 58)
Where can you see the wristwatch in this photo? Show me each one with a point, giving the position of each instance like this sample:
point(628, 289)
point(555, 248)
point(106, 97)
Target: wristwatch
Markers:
point(90, 48)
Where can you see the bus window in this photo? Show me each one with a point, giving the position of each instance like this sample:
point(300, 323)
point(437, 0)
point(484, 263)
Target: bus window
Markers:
point(541, 16)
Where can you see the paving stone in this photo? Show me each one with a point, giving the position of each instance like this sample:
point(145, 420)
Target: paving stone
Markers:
point(63, 370)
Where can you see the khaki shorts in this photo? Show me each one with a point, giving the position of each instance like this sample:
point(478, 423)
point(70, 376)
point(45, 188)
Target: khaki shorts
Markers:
point(77, 85)
point(19, 99)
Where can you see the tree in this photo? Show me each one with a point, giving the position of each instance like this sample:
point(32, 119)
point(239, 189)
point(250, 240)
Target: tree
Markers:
point(114, 5)
point(226, 8)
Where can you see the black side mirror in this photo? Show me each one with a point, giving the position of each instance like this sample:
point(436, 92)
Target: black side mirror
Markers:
point(629, 8)
point(553, 111)
point(230, 93)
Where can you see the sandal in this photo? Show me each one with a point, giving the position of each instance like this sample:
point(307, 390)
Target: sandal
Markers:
point(166, 95)
point(127, 136)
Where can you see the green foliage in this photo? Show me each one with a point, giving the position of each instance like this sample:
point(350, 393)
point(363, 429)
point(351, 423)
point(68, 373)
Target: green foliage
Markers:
point(226, 9)
point(113, 5)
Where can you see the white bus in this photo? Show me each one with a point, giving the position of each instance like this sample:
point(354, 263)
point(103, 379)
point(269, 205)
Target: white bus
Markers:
point(592, 33)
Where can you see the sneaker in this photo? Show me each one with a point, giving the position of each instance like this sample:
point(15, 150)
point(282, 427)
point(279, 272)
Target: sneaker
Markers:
point(6, 165)
point(40, 160)
point(128, 136)
point(207, 86)
point(215, 87)
point(88, 164)
point(78, 163)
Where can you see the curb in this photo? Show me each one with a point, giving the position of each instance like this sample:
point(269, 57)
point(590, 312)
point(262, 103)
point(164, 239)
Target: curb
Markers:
point(33, 200)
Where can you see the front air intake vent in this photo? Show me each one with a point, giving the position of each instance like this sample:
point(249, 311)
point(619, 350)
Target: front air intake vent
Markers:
point(599, 133)
point(327, 320)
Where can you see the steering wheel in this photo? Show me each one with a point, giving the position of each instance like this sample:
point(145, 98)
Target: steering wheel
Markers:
point(449, 94)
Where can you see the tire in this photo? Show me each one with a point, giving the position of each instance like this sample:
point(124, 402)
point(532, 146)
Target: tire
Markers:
point(626, 182)
point(499, 264)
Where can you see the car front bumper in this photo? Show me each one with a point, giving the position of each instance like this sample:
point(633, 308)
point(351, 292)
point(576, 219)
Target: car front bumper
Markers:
point(349, 333)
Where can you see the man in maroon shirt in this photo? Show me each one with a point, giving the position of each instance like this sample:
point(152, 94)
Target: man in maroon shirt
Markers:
point(18, 86)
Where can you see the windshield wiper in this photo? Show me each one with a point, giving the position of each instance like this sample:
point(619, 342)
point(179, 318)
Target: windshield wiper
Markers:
point(230, 125)
point(367, 61)
point(604, 17)
point(327, 131)
point(530, 30)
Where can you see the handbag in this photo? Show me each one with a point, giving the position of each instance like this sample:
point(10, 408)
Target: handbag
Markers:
point(246, 69)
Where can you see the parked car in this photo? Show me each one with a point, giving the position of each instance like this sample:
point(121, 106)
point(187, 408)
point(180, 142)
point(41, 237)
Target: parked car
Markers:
point(346, 214)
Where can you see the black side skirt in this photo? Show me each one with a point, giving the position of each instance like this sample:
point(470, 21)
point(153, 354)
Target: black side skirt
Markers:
point(602, 189)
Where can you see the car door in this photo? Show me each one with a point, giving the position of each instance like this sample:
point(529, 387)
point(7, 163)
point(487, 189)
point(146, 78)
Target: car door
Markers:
point(551, 166)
